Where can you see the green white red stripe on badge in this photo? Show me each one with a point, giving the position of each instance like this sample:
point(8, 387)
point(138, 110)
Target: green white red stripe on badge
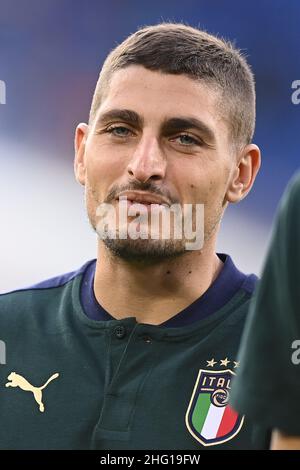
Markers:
point(212, 421)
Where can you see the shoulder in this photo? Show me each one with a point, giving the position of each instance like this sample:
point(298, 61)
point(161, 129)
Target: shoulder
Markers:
point(289, 207)
point(293, 188)
point(284, 251)
point(249, 285)
point(39, 297)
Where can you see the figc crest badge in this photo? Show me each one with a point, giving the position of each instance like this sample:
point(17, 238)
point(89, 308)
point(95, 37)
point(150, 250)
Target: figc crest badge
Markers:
point(209, 417)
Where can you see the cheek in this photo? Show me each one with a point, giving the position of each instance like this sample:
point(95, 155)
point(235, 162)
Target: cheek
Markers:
point(104, 167)
point(207, 189)
point(200, 188)
point(195, 179)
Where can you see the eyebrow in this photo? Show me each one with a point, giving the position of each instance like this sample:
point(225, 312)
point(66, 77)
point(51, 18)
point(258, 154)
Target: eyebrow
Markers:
point(125, 115)
point(170, 125)
point(184, 123)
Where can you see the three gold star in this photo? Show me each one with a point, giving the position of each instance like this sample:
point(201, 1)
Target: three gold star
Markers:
point(223, 362)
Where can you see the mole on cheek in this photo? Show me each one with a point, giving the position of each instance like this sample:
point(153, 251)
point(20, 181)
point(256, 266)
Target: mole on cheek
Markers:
point(168, 272)
point(192, 186)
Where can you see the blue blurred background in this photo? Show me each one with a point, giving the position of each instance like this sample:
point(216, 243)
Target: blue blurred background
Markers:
point(51, 52)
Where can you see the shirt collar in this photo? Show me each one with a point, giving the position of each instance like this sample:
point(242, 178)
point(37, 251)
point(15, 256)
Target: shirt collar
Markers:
point(228, 282)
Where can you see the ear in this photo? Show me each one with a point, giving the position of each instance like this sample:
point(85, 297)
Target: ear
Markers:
point(81, 134)
point(244, 175)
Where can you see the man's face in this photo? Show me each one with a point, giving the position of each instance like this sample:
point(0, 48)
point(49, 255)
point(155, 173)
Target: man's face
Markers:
point(160, 134)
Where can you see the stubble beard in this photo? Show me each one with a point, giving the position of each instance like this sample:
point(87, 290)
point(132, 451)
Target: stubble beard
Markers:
point(150, 251)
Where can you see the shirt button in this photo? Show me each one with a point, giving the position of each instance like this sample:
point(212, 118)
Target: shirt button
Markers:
point(120, 332)
point(147, 339)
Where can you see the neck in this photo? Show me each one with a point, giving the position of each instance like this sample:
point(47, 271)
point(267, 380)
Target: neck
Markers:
point(153, 294)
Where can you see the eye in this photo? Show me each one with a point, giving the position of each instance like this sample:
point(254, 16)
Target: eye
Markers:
point(119, 131)
point(187, 140)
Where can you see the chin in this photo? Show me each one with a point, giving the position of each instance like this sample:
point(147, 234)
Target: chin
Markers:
point(146, 251)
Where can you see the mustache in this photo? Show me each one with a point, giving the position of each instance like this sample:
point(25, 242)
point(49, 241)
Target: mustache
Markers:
point(137, 186)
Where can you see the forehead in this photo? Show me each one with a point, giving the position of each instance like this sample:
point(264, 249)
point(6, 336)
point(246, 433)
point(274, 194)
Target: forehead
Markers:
point(156, 96)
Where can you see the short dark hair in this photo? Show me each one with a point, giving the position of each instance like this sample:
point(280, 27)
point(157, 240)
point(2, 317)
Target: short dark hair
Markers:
point(180, 49)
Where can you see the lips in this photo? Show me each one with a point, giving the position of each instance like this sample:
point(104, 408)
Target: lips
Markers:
point(143, 198)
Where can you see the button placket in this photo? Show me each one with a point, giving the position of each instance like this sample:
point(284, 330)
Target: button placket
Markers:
point(130, 373)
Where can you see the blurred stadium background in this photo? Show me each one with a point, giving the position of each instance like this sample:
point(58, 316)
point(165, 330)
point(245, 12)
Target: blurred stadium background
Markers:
point(51, 52)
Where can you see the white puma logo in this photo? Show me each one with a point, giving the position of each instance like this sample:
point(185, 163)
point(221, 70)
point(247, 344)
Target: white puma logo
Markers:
point(19, 381)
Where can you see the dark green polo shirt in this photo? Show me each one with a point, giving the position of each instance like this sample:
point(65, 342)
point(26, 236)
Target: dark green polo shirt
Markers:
point(74, 382)
point(267, 387)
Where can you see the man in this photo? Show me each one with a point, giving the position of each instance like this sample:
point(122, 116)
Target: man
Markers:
point(268, 384)
point(136, 350)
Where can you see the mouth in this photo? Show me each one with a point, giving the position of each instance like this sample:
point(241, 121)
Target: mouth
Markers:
point(134, 197)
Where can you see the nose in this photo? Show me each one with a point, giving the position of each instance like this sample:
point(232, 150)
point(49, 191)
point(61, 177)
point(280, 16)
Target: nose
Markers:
point(148, 161)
